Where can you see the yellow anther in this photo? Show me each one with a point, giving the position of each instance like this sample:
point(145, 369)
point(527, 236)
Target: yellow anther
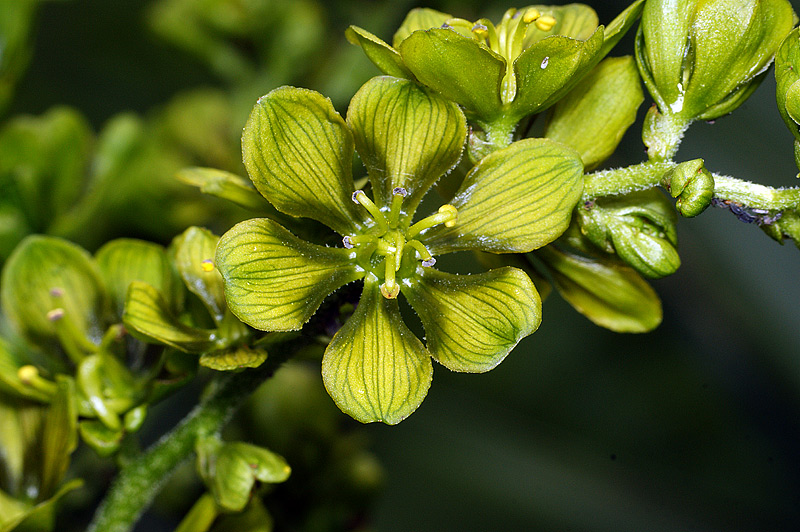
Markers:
point(390, 291)
point(480, 31)
point(452, 211)
point(531, 15)
point(27, 373)
point(207, 265)
point(545, 22)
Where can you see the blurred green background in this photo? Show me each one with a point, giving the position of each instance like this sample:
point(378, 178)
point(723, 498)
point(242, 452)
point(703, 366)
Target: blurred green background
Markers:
point(694, 427)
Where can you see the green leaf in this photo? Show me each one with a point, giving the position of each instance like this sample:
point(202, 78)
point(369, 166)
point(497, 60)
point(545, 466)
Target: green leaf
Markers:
point(546, 71)
point(516, 199)
point(419, 18)
point(233, 359)
point(125, 260)
point(594, 116)
point(299, 154)
point(473, 321)
point(577, 21)
point(610, 294)
point(46, 273)
point(374, 368)
point(224, 185)
point(273, 280)
point(406, 135)
point(194, 258)
point(231, 469)
point(381, 54)
point(458, 68)
point(148, 315)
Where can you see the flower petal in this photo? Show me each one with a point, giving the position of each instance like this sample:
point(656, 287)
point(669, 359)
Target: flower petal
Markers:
point(594, 116)
point(550, 68)
point(381, 54)
point(194, 259)
point(375, 369)
point(407, 136)
point(148, 315)
point(419, 18)
point(473, 321)
point(457, 67)
point(577, 21)
point(609, 293)
point(299, 152)
point(516, 199)
point(273, 280)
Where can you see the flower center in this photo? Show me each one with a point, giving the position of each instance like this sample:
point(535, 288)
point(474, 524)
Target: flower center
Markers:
point(384, 245)
point(506, 39)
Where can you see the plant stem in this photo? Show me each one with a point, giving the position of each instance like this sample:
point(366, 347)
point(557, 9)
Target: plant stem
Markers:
point(138, 482)
point(754, 195)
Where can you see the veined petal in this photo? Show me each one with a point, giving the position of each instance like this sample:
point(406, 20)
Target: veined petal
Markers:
point(550, 68)
point(473, 321)
point(194, 259)
point(381, 54)
point(273, 280)
point(375, 369)
point(457, 67)
point(577, 21)
point(516, 199)
point(299, 152)
point(419, 18)
point(407, 136)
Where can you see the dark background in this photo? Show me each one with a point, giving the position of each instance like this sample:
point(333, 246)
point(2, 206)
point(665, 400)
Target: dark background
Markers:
point(692, 427)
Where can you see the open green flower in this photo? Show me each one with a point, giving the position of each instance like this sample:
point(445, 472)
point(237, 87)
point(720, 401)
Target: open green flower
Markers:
point(299, 151)
point(500, 73)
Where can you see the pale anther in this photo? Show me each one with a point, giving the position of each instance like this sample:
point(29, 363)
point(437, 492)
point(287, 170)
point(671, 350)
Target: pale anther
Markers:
point(429, 262)
point(55, 314)
point(400, 191)
point(355, 195)
point(347, 243)
point(56, 292)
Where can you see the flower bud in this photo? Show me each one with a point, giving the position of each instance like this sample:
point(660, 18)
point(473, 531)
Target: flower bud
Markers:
point(638, 227)
point(700, 59)
point(692, 184)
point(787, 77)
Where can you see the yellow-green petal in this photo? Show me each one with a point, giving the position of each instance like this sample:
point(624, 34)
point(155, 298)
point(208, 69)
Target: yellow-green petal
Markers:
point(577, 21)
point(473, 321)
point(406, 135)
point(148, 315)
point(593, 117)
point(549, 69)
point(299, 153)
point(375, 369)
point(457, 67)
point(516, 199)
point(233, 359)
point(381, 54)
point(125, 260)
point(273, 280)
point(47, 273)
point(618, 27)
point(419, 18)
point(194, 259)
point(609, 293)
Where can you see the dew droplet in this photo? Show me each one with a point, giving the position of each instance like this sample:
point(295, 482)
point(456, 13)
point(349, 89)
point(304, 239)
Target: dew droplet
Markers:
point(545, 61)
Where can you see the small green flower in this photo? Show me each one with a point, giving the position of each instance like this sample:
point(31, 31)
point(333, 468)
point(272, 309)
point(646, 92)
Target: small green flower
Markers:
point(500, 73)
point(299, 151)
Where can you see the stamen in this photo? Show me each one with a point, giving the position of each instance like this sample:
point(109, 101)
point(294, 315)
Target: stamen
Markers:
point(398, 193)
point(347, 242)
point(480, 31)
point(29, 375)
point(487, 31)
point(362, 199)
point(545, 22)
point(447, 215)
point(422, 251)
point(390, 289)
point(531, 15)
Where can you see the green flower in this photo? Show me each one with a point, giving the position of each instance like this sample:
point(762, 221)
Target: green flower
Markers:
point(499, 73)
point(299, 151)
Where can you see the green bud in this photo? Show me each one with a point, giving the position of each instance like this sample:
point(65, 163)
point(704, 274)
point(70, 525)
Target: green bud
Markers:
point(692, 184)
point(700, 59)
point(787, 94)
point(638, 227)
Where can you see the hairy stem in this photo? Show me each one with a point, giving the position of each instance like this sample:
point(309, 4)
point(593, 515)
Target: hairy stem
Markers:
point(139, 481)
